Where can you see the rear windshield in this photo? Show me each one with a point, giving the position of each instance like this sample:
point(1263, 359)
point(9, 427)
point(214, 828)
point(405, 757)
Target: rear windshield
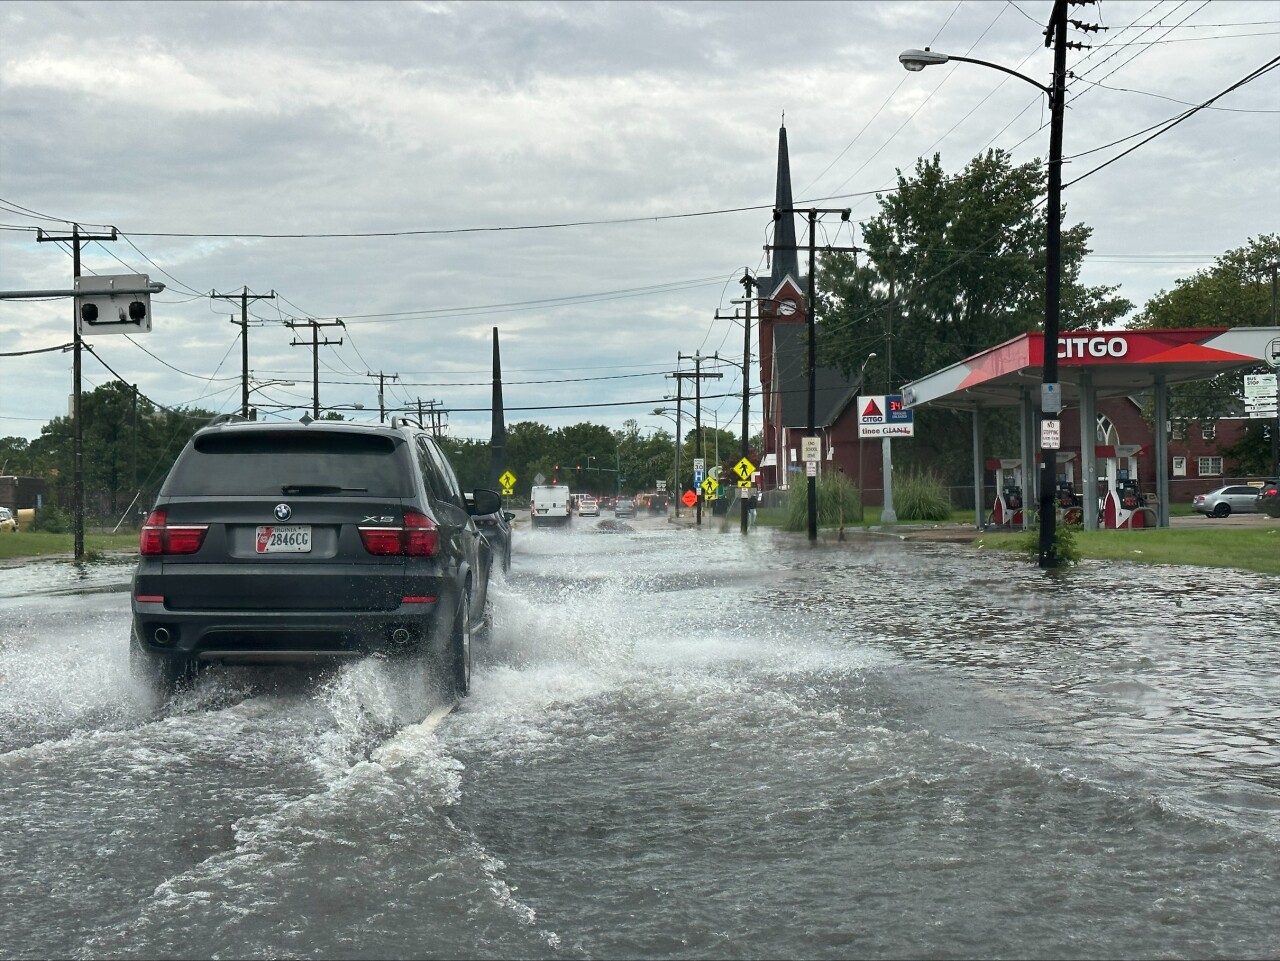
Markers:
point(291, 463)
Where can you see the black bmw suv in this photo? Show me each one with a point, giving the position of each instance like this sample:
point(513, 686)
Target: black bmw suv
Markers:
point(302, 543)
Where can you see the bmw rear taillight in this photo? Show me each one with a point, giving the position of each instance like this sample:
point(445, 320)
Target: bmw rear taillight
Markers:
point(420, 535)
point(159, 538)
point(416, 539)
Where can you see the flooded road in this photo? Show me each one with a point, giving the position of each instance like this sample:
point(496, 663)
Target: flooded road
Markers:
point(679, 744)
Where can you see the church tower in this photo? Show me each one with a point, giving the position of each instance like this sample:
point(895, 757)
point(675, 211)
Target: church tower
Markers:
point(783, 303)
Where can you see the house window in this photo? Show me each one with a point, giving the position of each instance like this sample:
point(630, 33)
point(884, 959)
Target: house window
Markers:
point(1179, 467)
point(1210, 466)
point(1179, 429)
point(1209, 430)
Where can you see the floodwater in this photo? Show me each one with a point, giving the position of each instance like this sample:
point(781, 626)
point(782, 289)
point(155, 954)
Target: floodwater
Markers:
point(679, 744)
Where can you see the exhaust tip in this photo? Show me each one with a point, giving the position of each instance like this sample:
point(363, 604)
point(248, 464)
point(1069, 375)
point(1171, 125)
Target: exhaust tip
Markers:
point(400, 635)
point(161, 635)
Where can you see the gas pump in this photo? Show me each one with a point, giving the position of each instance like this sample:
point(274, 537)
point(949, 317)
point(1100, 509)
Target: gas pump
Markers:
point(1065, 493)
point(1007, 509)
point(1121, 503)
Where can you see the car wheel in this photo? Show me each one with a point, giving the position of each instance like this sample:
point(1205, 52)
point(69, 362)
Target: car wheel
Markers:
point(162, 675)
point(1222, 510)
point(457, 656)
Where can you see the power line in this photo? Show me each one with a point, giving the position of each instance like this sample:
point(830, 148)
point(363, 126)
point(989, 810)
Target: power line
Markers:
point(1248, 78)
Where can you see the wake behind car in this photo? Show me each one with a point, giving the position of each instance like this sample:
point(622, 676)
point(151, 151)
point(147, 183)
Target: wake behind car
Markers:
point(309, 543)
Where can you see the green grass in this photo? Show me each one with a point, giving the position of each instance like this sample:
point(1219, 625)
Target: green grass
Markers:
point(1249, 549)
point(43, 544)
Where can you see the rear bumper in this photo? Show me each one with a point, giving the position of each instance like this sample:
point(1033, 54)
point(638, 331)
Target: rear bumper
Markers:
point(282, 637)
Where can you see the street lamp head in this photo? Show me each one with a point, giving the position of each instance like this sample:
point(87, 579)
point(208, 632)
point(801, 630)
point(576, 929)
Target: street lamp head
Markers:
point(917, 60)
point(272, 383)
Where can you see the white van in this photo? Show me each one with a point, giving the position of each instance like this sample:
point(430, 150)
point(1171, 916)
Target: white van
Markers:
point(549, 505)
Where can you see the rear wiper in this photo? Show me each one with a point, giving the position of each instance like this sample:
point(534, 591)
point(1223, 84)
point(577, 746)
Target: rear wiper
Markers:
point(301, 489)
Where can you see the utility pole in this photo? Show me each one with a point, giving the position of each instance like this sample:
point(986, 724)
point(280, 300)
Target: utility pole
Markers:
point(1055, 36)
point(244, 297)
point(382, 407)
point(77, 240)
point(1274, 266)
point(811, 468)
point(698, 377)
point(316, 344)
point(679, 441)
point(437, 418)
point(432, 414)
point(747, 282)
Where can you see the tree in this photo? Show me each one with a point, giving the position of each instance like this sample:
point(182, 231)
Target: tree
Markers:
point(953, 265)
point(1235, 292)
point(16, 456)
point(587, 453)
point(529, 451)
point(645, 460)
point(128, 444)
point(469, 460)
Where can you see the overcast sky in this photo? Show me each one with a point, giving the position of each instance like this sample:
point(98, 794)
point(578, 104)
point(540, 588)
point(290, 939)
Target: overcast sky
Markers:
point(589, 178)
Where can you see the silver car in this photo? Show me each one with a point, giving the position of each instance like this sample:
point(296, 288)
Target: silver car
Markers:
point(1234, 498)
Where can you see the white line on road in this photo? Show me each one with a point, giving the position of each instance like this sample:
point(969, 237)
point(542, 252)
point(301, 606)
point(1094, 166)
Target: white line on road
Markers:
point(408, 741)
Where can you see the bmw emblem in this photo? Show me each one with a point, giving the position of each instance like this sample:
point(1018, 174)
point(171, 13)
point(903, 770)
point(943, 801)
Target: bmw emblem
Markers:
point(283, 512)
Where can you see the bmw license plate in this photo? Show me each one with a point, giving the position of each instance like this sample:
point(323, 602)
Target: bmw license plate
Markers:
point(289, 539)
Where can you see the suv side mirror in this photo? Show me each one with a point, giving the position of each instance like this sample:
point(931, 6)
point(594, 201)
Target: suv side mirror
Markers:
point(484, 501)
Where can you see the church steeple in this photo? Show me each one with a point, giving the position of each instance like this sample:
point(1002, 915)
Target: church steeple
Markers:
point(785, 262)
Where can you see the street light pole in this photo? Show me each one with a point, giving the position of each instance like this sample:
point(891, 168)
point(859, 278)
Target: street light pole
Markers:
point(1050, 395)
point(265, 383)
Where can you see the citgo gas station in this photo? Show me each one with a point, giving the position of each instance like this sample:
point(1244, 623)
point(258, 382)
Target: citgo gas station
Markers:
point(1092, 365)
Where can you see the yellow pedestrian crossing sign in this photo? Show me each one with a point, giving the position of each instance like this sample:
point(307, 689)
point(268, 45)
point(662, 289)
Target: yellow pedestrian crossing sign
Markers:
point(508, 482)
point(710, 486)
point(744, 469)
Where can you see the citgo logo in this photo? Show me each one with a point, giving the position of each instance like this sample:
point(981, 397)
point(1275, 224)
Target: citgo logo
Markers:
point(1097, 347)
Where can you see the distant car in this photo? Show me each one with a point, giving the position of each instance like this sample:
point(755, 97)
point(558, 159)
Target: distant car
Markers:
point(1234, 498)
point(588, 507)
point(624, 507)
point(551, 504)
point(658, 504)
point(1269, 498)
point(7, 521)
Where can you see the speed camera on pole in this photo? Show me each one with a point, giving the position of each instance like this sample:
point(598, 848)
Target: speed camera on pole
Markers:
point(114, 304)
